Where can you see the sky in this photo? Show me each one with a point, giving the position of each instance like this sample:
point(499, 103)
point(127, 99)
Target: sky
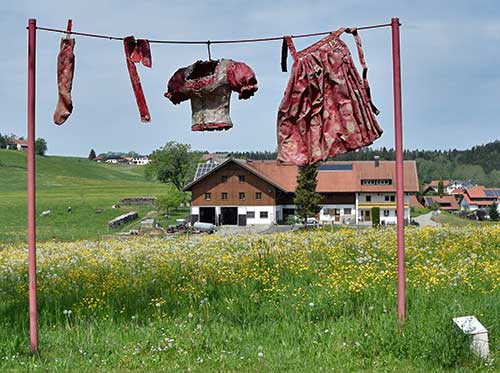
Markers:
point(450, 53)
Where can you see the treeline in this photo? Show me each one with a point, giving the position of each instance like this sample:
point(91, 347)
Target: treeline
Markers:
point(480, 164)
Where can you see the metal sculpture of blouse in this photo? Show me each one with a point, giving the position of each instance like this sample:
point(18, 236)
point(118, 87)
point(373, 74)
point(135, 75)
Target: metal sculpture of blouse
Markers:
point(208, 84)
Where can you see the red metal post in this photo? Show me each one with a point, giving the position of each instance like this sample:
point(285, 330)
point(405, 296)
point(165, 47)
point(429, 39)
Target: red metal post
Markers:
point(31, 186)
point(398, 127)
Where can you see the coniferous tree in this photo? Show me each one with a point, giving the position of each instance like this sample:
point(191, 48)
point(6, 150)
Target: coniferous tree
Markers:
point(92, 155)
point(440, 188)
point(306, 198)
point(494, 212)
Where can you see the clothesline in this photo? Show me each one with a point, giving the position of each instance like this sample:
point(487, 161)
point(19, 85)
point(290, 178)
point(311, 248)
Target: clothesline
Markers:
point(236, 41)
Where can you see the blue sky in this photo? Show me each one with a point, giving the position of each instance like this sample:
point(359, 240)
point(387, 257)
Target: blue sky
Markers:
point(450, 58)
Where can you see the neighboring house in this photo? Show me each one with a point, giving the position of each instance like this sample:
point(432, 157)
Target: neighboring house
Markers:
point(217, 158)
point(414, 202)
point(479, 197)
point(238, 192)
point(140, 160)
point(446, 203)
point(112, 160)
point(448, 186)
point(21, 145)
point(99, 159)
point(127, 160)
point(458, 193)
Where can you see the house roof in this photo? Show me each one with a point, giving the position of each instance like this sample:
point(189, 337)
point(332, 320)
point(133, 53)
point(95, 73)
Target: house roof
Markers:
point(17, 142)
point(435, 183)
point(479, 202)
point(332, 179)
point(414, 201)
point(453, 204)
point(458, 191)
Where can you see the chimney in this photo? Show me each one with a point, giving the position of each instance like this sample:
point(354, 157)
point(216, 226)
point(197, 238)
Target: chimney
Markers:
point(377, 162)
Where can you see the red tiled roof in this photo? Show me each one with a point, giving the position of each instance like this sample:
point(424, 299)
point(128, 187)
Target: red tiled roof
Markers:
point(435, 183)
point(414, 201)
point(285, 176)
point(479, 202)
point(476, 192)
point(458, 191)
point(18, 142)
point(444, 200)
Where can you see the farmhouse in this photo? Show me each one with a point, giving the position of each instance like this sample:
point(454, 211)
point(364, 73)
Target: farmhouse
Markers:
point(140, 160)
point(238, 192)
point(17, 144)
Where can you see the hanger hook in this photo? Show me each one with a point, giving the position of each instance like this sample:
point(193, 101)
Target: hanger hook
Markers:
point(208, 47)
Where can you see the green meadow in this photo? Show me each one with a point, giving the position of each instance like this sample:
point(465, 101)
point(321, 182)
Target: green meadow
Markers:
point(63, 182)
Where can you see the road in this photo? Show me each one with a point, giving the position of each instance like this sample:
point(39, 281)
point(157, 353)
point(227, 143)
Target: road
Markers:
point(425, 220)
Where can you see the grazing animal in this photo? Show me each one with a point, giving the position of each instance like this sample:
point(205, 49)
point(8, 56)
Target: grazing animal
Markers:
point(46, 213)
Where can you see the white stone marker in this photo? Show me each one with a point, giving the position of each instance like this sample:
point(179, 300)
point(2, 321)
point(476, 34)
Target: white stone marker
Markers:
point(471, 326)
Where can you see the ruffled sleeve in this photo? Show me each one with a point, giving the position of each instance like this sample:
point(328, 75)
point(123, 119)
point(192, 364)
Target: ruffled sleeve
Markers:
point(175, 88)
point(242, 79)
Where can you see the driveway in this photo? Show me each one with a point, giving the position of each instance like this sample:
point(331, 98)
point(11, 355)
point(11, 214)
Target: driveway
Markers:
point(425, 220)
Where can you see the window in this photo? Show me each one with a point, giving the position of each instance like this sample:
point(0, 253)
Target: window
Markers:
point(250, 214)
point(368, 198)
point(208, 196)
point(224, 178)
point(326, 211)
point(242, 196)
point(223, 195)
point(387, 198)
point(376, 182)
point(242, 178)
point(386, 213)
point(347, 211)
point(393, 198)
point(258, 195)
point(263, 214)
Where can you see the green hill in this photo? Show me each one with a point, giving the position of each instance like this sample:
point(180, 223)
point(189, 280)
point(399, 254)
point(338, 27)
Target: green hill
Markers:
point(84, 185)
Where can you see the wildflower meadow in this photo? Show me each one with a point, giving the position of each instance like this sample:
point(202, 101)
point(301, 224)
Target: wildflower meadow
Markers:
point(310, 300)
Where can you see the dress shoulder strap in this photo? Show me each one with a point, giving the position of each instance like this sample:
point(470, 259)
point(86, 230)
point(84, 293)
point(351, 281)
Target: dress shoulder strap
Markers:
point(361, 56)
point(285, 47)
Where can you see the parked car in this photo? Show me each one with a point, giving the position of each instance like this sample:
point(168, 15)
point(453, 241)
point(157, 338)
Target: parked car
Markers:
point(312, 222)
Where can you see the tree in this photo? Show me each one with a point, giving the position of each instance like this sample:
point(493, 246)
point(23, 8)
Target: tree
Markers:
point(92, 155)
point(172, 199)
point(40, 146)
point(174, 163)
point(3, 141)
point(494, 212)
point(440, 188)
point(306, 197)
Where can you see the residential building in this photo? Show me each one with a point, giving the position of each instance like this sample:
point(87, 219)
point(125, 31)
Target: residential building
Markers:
point(414, 202)
point(479, 197)
point(446, 203)
point(262, 192)
point(140, 160)
point(17, 144)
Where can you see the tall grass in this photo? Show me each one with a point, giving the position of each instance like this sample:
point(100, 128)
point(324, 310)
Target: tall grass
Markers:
point(284, 302)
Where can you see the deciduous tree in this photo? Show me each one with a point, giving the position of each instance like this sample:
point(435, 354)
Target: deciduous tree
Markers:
point(40, 146)
point(174, 163)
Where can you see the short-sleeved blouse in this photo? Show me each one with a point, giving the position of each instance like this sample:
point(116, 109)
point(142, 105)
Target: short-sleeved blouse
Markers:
point(208, 84)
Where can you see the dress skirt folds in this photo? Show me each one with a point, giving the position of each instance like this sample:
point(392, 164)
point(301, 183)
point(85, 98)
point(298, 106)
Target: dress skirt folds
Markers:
point(327, 108)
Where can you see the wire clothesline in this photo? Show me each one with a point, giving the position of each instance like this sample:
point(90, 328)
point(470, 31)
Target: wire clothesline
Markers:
point(236, 41)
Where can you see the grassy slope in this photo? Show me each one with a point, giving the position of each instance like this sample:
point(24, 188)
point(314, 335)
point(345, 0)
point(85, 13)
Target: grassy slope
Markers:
point(67, 181)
